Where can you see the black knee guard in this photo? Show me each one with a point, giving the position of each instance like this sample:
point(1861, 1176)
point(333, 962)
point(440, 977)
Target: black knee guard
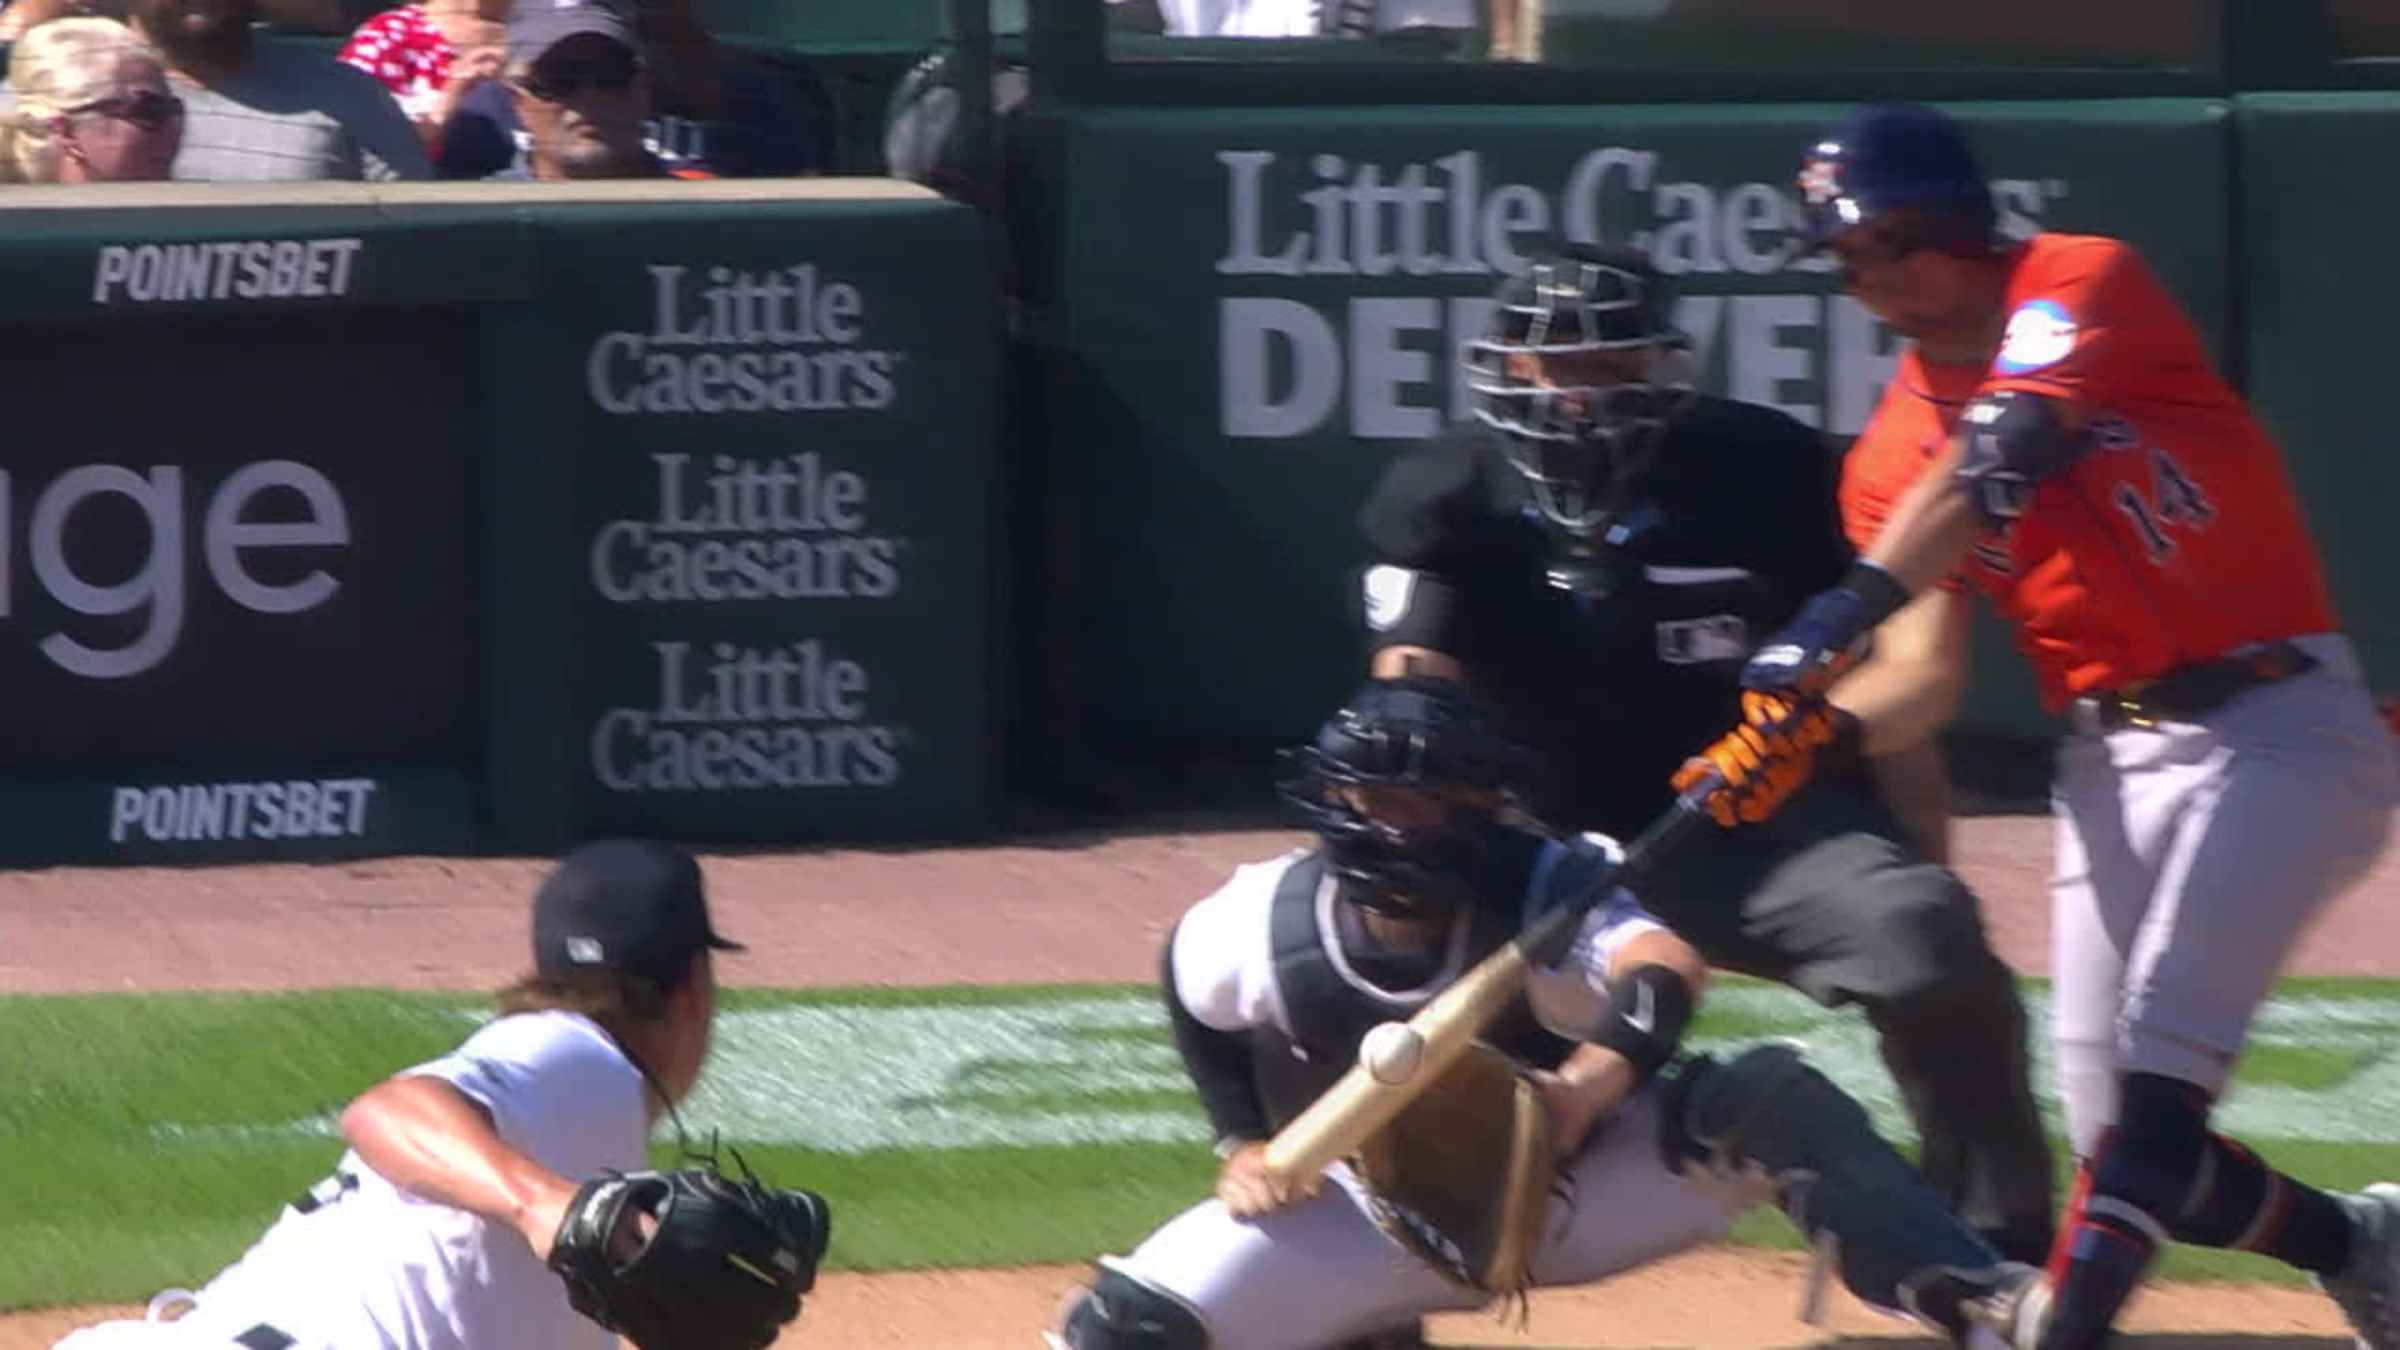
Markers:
point(1767, 1111)
point(1121, 1312)
point(2148, 1171)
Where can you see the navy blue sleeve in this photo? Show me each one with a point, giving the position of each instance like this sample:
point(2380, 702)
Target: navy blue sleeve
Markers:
point(1417, 512)
point(774, 120)
point(480, 139)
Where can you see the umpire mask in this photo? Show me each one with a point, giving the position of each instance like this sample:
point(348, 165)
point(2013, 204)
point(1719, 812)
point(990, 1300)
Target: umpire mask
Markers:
point(1580, 370)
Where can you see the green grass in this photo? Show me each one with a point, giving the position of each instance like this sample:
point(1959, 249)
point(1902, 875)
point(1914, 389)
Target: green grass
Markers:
point(994, 1206)
point(145, 1140)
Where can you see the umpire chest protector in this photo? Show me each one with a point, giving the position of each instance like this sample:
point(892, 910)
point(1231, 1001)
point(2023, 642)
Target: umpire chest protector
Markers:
point(1626, 672)
point(1330, 1007)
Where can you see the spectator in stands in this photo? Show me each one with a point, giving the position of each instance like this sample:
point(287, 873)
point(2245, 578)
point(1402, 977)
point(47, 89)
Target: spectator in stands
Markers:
point(267, 112)
point(91, 106)
point(715, 113)
point(431, 53)
point(18, 17)
point(581, 92)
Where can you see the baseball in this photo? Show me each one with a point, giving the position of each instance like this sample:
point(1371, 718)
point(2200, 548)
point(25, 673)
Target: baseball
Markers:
point(1390, 1052)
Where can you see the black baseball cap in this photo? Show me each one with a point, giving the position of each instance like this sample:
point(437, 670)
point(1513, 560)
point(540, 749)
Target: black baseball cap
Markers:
point(623, 904)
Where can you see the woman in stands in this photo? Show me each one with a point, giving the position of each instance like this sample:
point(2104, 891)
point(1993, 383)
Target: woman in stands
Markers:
point(91, 106)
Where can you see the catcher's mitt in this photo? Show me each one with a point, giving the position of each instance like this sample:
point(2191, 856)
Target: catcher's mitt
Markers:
point(723, 1270)
point(1462, 1175)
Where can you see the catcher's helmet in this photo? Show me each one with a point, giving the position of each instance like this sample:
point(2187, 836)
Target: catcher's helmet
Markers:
point(1889, 157)
point(1579, 438)
point(1408, 733)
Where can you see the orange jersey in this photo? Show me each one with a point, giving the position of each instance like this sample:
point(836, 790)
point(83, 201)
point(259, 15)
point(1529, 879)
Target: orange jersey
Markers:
point(2174, 537)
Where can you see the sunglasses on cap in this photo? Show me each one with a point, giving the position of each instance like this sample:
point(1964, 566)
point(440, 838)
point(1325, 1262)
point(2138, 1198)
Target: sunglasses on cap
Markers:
point(556, 82)
point(147, 109)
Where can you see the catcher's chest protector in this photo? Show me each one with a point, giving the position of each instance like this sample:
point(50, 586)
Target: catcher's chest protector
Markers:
point(1330, 1012)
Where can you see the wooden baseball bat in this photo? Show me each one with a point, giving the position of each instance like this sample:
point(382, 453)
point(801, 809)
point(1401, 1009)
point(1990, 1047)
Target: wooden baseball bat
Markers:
point(1359, 1104)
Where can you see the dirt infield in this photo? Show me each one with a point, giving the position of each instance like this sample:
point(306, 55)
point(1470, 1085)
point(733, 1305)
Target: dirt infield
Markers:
point(1065, 907)
point(1710, 1300)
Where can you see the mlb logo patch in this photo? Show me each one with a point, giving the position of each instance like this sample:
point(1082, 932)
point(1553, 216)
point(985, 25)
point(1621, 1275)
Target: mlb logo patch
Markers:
point(2039, 334)
point(1695, 642)
point(1388, 590)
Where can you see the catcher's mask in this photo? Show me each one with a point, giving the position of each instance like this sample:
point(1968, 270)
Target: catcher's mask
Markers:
point(1404, 787)
point(1580, 369)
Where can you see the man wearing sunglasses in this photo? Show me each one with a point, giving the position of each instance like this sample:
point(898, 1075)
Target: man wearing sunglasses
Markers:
point(578, 87)
point(1594, 555)
point(711, 112)
point(2056, 438)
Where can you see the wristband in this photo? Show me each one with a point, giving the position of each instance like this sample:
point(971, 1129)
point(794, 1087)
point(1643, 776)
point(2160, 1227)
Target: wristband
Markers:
point(1880, 594)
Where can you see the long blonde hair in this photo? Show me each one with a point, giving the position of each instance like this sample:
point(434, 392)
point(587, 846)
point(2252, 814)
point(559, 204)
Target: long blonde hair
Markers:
point(62, 64)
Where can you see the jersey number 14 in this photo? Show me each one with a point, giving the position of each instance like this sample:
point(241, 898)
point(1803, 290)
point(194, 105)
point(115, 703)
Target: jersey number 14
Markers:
point(2174, 501)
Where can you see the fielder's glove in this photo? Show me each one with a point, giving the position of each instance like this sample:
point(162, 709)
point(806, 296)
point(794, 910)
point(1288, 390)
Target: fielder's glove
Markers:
point(723, 1270)
point(1461, 1178)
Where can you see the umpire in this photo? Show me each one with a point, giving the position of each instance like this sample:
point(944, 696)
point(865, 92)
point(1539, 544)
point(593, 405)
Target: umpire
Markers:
point(1594, 555)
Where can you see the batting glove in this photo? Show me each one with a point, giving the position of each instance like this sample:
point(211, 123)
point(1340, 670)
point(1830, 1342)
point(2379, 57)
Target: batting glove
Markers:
point(1763, 763)
point(1822, 640)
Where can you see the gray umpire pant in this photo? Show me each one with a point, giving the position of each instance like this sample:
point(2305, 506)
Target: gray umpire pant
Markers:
point(1828, 898)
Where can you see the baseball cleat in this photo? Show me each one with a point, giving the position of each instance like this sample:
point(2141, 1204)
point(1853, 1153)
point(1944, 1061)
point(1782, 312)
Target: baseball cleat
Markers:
point(2368, 1289)
point(2000, 1308)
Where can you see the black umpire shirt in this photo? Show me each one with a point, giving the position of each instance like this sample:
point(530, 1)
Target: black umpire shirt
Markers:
point(1734, 524)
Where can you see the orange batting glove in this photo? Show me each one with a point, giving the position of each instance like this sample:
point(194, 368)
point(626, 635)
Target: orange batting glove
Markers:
point(1763, 763)
point(1812, 725)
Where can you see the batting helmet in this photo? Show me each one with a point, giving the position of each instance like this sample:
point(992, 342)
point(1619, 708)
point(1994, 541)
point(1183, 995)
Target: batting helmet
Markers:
point(1891, 157)
point(1409, 733)
point(1578, 435)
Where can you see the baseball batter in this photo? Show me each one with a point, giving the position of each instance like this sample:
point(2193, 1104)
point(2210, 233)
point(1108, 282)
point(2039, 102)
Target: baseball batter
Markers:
point(2056, 438)
point(1594, 554)
point(1272, 982)
point(433, 1229)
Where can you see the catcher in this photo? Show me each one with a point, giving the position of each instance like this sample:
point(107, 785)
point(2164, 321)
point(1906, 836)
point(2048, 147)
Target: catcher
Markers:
point(1578, 1147)
point(524, 1148)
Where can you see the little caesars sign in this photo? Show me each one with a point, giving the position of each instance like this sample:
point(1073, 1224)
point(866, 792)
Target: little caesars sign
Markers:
point(1385, 365)
point(744, 561)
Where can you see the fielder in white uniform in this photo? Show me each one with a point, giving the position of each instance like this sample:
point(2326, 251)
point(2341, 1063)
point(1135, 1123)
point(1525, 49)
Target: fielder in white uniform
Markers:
point(432, 1230)
point(1271, 982)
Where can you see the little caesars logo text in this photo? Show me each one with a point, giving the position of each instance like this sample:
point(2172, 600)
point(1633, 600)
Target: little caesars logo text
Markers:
point(782, 341)
point(1290, 367)
point(782, 528)
point(793, 715)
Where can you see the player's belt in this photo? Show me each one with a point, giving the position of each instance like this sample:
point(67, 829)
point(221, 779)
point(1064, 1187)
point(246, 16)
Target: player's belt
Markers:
point(2189, 693)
